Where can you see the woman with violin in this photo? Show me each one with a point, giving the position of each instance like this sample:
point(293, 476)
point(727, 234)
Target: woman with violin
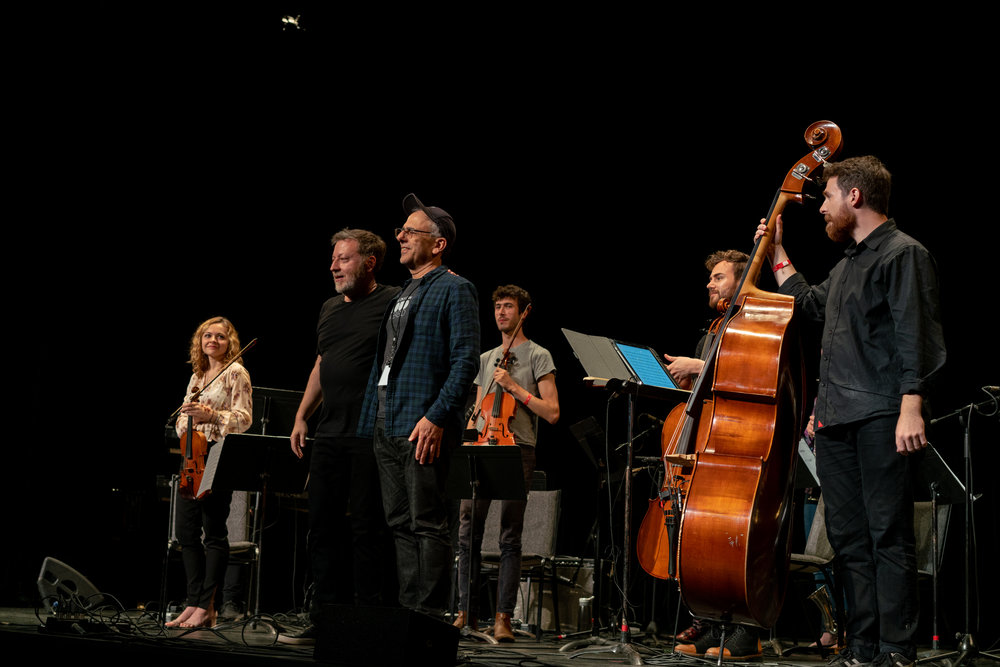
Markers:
point(217, 402)
point(515, 386)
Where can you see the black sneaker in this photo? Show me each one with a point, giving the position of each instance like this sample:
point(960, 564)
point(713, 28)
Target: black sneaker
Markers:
point(891, 659)
point(303, 637)
point(231, 611)
point(845, 658)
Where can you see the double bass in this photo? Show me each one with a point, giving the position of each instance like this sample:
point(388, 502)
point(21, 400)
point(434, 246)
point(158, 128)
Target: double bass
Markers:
point(721, 524)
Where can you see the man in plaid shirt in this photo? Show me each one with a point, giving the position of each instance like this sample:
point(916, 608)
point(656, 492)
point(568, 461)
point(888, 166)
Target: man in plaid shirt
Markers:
point(427, 356)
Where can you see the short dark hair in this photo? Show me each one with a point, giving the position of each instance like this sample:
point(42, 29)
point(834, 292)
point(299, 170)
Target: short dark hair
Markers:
point(514, 292)
point(737, 258)
point(369, 244)
point(867, 174)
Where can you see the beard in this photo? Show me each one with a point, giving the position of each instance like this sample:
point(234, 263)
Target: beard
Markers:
point(351, 282)
point(839, 229)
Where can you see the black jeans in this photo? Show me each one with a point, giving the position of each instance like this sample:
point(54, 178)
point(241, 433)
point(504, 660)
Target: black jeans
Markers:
point(416, 509)
point(205, 560)
point(511, 526)
point(869, 520)
point(344, 493)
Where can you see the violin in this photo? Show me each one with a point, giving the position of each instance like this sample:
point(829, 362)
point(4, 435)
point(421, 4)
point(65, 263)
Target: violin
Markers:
point(721, 524)
point(193, 465)
point(196, 444)
point(498, 406)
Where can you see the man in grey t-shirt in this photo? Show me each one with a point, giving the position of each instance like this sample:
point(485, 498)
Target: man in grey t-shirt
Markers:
point(530, 378)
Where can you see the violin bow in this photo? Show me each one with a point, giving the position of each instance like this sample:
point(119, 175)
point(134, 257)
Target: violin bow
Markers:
point(198, 393)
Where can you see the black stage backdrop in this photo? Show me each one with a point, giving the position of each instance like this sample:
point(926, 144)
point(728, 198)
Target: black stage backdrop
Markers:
point(157, 188)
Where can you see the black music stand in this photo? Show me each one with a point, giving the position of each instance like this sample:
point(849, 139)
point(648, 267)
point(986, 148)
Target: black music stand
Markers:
point(942, 483)
point(259, 464)
point(939, 485)
point(484, 472)
point(607, 368)
point(274, 411)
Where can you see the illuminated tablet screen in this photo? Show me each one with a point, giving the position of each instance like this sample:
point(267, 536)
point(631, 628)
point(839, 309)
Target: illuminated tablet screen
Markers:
point(646, 366)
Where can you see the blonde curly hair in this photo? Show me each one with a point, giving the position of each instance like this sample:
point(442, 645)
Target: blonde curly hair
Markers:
point(198, 359)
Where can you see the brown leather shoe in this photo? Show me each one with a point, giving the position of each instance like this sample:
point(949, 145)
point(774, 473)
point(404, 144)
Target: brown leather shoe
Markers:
point(462, 619)
point(690, 635)
point(710, 636)
point(502, 632)
point(742, 644)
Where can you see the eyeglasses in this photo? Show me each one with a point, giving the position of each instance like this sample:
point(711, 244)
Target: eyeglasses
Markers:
point(409, 231)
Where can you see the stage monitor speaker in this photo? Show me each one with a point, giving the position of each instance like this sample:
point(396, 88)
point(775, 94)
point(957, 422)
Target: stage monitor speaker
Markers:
point(352, 635)
point(64, 590)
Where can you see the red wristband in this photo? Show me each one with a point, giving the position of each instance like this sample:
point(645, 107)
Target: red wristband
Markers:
point(528, 400)
point(781, 265)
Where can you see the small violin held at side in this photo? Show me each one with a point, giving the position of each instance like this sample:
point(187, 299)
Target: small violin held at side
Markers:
point(496, 410)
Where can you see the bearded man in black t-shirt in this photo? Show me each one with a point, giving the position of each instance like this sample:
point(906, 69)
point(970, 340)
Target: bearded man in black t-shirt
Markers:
point(343, 478)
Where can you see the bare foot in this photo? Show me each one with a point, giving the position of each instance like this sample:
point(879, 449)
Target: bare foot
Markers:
point(180, 620)
point(199, 618)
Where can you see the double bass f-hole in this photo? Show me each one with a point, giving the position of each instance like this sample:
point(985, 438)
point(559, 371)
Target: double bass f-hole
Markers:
point(497, 407)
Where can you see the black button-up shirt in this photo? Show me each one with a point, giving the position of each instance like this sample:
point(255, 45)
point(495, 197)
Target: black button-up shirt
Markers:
point(881, 321)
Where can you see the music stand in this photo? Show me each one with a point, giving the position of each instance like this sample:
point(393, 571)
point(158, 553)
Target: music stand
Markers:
point(942, 483)
point(939, 484)
point(589, 434)
point(607, 366)
point(259, 464)
point(487, 472)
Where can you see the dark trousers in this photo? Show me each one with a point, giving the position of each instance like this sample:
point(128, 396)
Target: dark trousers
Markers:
point(869, 520)
point(344, 495)
point(205, 560)
point(416, 509)
point(511, 527)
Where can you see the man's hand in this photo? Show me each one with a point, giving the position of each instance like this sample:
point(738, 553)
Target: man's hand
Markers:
point(503, 378)
point(299, 433)
point(427, 438)
point(911, 436)
point(779, 233)
point(684, 369)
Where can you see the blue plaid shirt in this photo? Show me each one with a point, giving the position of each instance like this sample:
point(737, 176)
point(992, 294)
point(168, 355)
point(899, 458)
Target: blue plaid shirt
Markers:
point(435, 362)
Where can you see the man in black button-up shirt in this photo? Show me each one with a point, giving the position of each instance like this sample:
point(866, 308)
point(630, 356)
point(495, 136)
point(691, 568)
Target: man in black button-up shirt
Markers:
point(881, 345)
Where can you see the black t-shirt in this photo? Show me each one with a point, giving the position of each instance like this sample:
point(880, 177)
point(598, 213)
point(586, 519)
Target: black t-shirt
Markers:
point(346, 337)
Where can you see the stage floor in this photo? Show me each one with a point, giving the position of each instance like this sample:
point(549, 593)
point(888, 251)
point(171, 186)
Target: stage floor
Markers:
point(134, 640)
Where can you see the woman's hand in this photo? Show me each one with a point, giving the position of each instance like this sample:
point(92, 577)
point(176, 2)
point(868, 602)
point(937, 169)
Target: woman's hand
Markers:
point(199, 412)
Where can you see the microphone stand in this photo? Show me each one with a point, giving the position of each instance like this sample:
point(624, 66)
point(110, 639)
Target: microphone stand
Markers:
point(624, 644)
point(967, 650)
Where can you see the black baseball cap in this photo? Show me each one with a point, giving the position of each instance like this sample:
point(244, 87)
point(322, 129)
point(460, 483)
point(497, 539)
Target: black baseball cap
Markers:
point(444, 221)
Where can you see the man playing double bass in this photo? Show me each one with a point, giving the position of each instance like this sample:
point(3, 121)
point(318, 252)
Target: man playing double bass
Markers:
point(882, 344)
point(704, 636)
point(530, 379)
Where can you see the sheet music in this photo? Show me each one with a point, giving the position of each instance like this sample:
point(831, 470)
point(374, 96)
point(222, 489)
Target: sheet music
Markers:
point(211, 465)
point(605, 364)
point(808, 458)
point(598, 356)
point(647, 367)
